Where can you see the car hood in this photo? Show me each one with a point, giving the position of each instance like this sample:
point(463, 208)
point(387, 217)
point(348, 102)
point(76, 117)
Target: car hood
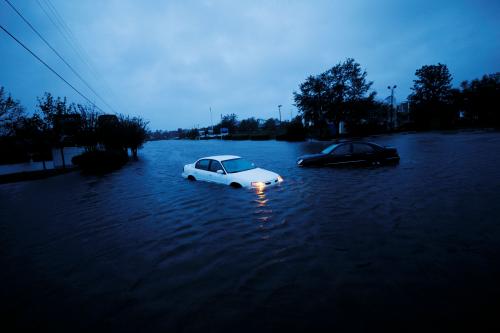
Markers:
point(255, 175)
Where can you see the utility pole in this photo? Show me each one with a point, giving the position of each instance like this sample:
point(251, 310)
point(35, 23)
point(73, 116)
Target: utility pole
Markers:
point(211, 122)
point(392, 105)
point(279, 110)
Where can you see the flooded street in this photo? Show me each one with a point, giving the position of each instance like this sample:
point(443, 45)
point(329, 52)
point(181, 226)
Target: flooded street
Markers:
point(341, 248)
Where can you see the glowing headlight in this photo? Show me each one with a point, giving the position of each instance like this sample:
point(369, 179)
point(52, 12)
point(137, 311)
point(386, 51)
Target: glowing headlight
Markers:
point(258, 184)
point(280, 179)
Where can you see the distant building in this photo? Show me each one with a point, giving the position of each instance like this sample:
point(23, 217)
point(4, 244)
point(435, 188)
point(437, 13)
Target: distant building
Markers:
point(342, 129)
point(107, 119)
point(67, 127)
point(403, 113)
point(334, 129)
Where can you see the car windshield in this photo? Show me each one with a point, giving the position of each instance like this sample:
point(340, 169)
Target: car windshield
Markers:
point(237, 165)
point(329, 149)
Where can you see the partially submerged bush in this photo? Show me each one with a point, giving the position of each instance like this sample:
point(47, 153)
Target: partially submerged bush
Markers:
point(101, 161)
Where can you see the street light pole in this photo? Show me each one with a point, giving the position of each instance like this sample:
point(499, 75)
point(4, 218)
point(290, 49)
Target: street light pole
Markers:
point(392, 104)
point(279, 110)
point(211, 122)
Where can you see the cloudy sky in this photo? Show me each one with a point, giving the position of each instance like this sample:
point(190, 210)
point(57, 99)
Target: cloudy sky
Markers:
point(169, 61)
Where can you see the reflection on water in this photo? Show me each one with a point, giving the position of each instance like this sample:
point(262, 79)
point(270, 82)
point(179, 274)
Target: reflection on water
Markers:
point(141, 248)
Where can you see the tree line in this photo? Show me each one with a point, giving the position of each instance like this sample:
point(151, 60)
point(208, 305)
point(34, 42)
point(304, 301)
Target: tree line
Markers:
point(341, 100)
point(56, 123)
point(343, 94)
point(245, 129)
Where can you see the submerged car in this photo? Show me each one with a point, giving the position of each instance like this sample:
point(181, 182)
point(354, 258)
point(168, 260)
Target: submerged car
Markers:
point(351, 153)
point(230, 170)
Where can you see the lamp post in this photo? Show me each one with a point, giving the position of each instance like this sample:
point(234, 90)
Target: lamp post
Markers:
point(392, 104)
point(279, 110)
point(211, 122)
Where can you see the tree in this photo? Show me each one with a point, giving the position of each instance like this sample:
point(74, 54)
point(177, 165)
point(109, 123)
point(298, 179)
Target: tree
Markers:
point(32, 132)
point(52, 109)
point(134, 132)
point(311, 99)
point(109, 133)
point(11, 111)
point(431, 97)
point(480, 100)
point(339, 94)
point(270, 125)
point(248, 125)
point(192, 134)
point(292, 130)
point(229, 121)
point(87, 135)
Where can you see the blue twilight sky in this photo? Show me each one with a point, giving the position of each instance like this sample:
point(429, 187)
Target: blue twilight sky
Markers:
point(169, 61)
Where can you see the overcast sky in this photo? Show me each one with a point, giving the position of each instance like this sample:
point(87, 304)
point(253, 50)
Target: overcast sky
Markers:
point(169, 61)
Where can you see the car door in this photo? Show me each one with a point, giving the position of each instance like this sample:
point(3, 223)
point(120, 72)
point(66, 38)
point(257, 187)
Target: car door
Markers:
point(215, 175)
point(202, 172)
point(340, 155)
point(363, 153)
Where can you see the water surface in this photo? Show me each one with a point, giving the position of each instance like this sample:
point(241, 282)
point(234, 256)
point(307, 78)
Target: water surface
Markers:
point(349, 248)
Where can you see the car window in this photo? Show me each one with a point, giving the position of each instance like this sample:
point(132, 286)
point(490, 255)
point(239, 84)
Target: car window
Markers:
point(238, 165)
point(342, 149)
point(329, 149)
point(214, 166)
point(202, 164)
point(362, 148)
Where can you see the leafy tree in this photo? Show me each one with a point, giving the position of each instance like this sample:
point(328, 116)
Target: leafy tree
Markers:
point(229, 121)
point(192, 134)
point(480, 100)
point(339, 94)
point(52, 109)
point(312, 99)
point(32, 132)
point(270, 125)
point(294, 130)
point(87, 135)
point(109, 132)
point(11, 111)
point(431, 96)
point(248, 125)
point(134, 133)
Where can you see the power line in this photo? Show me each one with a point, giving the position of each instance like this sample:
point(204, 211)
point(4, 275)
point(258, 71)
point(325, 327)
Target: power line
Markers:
point(64, 31)
point(58, 22)
point(73, 41)
point(58, 26)
point(50, 68)
point(64, 25)
point(57, 53)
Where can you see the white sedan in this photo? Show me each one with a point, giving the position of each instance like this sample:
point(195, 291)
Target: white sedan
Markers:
point(230, 170)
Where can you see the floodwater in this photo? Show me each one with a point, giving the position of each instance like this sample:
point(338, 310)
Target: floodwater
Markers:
point(412, 246)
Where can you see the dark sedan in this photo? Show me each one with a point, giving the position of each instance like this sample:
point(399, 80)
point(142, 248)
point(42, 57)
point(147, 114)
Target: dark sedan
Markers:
point(351, 153)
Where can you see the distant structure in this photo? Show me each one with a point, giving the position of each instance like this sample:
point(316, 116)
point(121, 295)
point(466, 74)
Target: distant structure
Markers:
point(67, 127)
point(392, 113)
point(403, 113)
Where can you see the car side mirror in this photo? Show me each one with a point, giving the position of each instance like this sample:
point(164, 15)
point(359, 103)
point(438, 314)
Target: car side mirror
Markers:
point(220, 172)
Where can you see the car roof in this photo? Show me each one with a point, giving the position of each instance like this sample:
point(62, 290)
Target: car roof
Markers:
point(220, 158)
point(355, 141)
